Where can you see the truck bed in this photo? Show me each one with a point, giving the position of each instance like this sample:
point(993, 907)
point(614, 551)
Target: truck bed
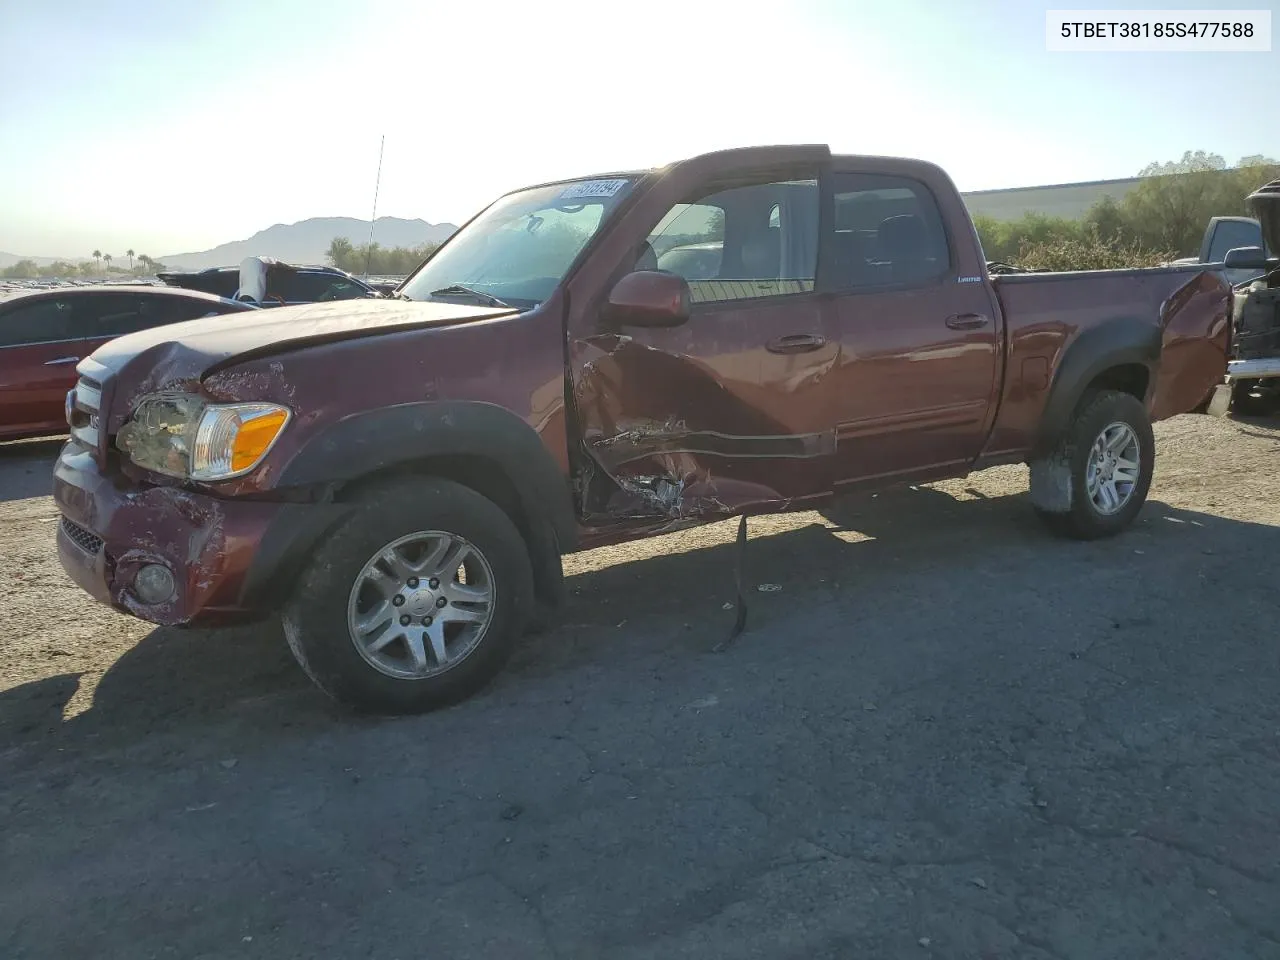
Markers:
point(1046, 313)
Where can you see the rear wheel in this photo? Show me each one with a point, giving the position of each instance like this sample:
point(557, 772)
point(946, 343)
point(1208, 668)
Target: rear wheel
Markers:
point(415, 602)
point(1109, 453)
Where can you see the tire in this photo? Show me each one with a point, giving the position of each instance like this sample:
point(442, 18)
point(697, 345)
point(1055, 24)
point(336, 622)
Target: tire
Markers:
point(420, 515)
point(1099, 412)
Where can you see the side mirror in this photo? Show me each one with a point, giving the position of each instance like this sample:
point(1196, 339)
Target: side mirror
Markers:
point(649, 298)
point(1245, 258)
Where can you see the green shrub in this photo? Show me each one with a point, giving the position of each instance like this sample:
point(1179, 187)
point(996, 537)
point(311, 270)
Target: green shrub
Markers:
point(1088, 252)
point(1161, 218)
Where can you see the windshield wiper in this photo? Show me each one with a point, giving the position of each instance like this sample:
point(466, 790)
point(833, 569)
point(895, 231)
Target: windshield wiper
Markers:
point(457, 289)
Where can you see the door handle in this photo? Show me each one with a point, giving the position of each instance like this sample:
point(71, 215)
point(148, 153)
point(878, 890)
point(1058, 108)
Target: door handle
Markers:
point(61, 361)
point(796, 343)
point(967, 321)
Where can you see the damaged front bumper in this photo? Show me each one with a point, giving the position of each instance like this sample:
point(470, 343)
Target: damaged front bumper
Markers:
point(225, 556)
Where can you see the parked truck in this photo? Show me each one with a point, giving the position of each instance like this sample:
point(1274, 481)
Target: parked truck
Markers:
point(1253, 369)
point(397, 479)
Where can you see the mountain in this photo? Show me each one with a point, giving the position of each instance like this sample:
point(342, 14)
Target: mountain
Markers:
point(308, 241)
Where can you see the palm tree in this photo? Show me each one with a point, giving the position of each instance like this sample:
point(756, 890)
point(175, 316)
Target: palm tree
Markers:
point(107, 259)
point(97, 257)
point(129, 253)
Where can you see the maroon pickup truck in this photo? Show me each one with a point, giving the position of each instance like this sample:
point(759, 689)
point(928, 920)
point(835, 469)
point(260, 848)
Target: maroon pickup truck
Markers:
point(398, 479)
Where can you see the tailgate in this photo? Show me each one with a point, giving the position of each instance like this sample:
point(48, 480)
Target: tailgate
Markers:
point(1197, 343)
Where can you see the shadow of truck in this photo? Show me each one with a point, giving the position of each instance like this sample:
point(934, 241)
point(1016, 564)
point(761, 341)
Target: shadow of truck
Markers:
point(879, 560)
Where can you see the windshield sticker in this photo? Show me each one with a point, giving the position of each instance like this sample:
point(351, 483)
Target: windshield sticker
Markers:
point(592, 188)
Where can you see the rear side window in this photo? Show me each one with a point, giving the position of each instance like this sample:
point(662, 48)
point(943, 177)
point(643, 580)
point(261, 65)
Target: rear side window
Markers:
point(886, 231)
point(44, 321)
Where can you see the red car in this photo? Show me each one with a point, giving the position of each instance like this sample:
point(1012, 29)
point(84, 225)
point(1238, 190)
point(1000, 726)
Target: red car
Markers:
point(45, 333)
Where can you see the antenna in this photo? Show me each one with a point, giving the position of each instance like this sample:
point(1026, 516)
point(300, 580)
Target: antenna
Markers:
point(368, 254)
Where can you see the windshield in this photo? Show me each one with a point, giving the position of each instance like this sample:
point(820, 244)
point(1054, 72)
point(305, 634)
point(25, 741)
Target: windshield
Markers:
point(519, 249)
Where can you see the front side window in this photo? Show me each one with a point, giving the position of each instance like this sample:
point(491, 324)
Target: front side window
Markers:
point(1229, 234)
point(303, 287)
point(888, 230)
point(521, 247)
point(220, 283)
point(117, 314)
point(689, 240)
point(44, 321)
point(340, 288)
point(182, 310)
point(742, 243)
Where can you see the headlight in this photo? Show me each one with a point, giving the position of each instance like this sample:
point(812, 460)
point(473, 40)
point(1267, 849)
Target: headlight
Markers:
point(183, 436)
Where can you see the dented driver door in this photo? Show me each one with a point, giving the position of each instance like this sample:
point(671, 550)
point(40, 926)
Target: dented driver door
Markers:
point(732, 409)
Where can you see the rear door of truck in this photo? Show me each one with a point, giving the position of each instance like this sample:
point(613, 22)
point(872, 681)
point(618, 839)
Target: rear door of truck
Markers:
point(919, 328)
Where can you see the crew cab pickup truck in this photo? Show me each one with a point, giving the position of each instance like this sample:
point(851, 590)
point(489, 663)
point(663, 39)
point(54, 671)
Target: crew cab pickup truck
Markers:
point(397, 479)
point(1253, 367)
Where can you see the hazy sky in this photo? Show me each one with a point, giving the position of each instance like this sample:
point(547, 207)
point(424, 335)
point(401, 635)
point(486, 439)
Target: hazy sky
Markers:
point(175, 126)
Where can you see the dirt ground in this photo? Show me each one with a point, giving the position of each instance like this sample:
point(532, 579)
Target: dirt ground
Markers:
point(945, 735)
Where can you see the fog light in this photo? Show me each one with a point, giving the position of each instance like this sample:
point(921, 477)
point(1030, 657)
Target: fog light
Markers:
point(153, 583)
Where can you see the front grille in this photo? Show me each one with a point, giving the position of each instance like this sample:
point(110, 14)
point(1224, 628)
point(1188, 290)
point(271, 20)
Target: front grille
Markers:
point(82, 538)
point(88, 409)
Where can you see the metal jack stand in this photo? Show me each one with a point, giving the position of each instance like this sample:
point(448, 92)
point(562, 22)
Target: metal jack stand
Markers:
point(740, 604)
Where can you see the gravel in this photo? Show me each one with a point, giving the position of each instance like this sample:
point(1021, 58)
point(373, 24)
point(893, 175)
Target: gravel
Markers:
point(945, 734)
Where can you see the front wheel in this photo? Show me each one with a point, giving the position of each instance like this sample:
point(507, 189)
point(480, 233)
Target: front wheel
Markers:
point(415, 602)
point(1109, 454)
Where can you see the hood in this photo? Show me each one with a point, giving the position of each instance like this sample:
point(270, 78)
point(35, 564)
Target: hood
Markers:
point(194, 347)
point(183, 353)
point(1265, 202)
